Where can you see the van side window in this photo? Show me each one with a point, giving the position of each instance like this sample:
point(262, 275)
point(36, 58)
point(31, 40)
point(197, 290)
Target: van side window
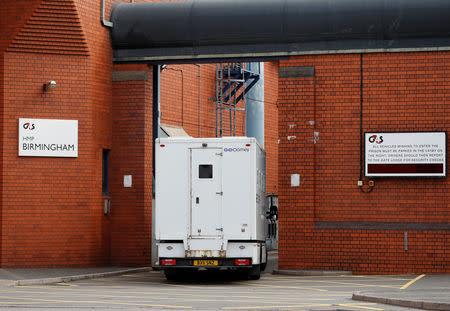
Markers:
point(205, 171)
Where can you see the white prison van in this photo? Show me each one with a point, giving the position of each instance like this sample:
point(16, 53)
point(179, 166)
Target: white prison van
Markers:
point(209, 208)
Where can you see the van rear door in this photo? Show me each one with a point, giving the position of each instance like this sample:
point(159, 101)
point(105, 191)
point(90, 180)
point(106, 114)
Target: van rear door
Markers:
point(206, 192)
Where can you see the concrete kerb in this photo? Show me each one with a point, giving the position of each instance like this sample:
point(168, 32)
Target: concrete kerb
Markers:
point(418, 304)
point(312, 272)
point(66, 279)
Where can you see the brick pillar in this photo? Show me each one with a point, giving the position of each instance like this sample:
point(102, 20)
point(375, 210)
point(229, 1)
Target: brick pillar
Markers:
point(131, 154)
point(1, 152)
point(296, 156)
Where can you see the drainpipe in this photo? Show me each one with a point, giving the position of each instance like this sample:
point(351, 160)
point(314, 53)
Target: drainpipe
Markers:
point(156, 120)
point(104, 21)
point(199, 96)
point(156, 107)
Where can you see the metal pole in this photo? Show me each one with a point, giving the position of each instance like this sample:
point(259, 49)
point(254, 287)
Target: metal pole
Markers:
point(104, 21)
point(217, 96)
point(156, 110)
point(199, 96)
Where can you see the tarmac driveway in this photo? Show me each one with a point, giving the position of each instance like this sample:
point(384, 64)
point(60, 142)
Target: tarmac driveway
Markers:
point(207, 291)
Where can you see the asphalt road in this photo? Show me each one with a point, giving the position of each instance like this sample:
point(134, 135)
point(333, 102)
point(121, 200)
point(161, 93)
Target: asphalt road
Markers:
point(206, 291)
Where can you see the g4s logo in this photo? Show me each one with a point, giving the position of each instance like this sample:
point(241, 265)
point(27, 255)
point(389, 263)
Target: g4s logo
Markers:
point(376, 139)
point(29, 126)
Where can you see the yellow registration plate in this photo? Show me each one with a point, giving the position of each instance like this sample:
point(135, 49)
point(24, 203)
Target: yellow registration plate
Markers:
point(206, 262)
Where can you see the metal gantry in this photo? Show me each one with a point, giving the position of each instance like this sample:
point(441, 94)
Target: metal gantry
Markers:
point(233, 81)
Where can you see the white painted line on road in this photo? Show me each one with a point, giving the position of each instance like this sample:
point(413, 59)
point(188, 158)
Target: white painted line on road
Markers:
point(65, 284)
point(358, 306)
point(96, 302)
point(412, 281)
point(281, 286)
point(348, 284)
point(278, 307)
point(193, 297)
point(14, 303)
point(381, 277)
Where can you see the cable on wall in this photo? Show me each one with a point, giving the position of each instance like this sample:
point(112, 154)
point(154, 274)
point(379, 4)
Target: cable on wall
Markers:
point(369, 186)
point(314, 146)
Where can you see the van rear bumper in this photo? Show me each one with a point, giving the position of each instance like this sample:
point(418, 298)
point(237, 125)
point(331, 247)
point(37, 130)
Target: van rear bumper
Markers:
point(253, 251)
point(205, 263)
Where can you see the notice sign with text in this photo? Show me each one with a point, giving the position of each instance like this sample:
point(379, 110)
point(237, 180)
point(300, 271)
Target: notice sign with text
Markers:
point(405, 154)
point(48, 138)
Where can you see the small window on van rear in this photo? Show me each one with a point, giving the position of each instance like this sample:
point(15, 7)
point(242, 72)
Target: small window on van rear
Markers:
point(205, 171)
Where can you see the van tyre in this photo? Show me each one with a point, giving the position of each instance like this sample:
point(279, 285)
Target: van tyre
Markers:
point(171, 274)
point(254, 273)
point(264, 264)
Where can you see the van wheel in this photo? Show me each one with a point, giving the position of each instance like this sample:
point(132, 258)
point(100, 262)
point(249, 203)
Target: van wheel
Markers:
point(254, 273)
point(264, 265)
point(171, 274)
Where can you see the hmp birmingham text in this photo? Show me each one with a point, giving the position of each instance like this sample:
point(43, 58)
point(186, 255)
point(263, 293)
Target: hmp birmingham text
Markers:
point(48, 147)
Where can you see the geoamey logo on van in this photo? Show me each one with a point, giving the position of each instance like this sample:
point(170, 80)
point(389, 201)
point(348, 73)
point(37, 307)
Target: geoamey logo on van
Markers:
point(236, 149)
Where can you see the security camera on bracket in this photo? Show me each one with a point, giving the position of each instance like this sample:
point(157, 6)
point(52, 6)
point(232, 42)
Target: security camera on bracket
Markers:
point(49, 85)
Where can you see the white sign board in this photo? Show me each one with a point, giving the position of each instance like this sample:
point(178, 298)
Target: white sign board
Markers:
point(406, 154)
point(127, 181)
point(295, 180)
point(48, 138)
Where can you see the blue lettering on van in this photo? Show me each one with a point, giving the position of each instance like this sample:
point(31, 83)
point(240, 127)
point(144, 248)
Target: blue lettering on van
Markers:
point(236, 150)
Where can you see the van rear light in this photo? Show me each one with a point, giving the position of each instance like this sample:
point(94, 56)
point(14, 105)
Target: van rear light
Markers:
point(168, 262)
point(248, 145)
point(162, 146)
point(242, 262)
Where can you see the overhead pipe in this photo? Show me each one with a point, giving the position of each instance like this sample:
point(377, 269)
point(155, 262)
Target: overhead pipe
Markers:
point(205, 29)
point(104, 21)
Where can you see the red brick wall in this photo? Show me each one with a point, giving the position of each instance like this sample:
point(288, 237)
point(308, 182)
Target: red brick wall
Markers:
point(186, 115)
point(99, 82)
point(52, 209)
point(131, 154)
point(402, 92)
point(49, 206)
point(180, 107)
point(180, 98)
point(13, 16)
